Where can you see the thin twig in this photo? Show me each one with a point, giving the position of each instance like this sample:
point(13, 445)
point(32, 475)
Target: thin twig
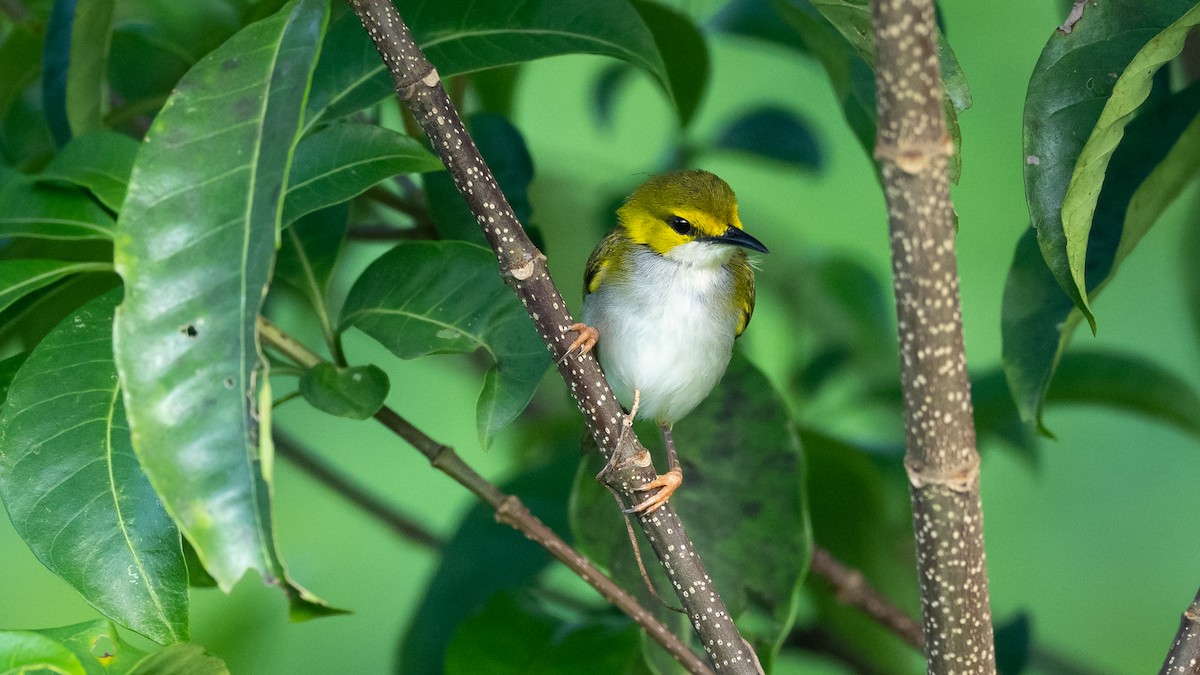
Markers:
point(852, 588)
point(1184, 655)
point(913, 148)
point(523, 267)
point(412, 206)
point(323, 472)
point(388, 233)
point(509, 509)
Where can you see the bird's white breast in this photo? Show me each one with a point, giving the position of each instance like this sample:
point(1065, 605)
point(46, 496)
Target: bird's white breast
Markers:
point(666, 329)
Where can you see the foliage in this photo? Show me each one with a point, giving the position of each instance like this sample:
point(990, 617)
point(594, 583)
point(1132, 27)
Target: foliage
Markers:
point(172, 172)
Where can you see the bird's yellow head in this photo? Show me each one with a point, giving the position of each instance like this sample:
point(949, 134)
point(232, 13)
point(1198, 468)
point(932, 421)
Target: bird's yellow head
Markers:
point(671, 211)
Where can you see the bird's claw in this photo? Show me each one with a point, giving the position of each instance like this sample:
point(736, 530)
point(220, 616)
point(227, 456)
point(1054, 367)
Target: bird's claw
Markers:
point(667, 483)
point(584, 342)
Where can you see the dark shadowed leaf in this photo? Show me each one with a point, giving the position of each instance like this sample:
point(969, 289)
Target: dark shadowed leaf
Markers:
point(608, 85)
point(73, 488)
point(20, 62)
point(744, 509)
point(1014, 640)
point(51, 212)
point(99, 162)
point(310, 251)
point(684, 53)
point(535, 642)
point(463, 36)
point(195, 247)
point(342, 161)
point(87, 75)
point(446, 297)
point(773, 133)
point(483, 558)
point(1157, 158)
point(56, 60)
point(1130, 92)
point(19, 278)
point(756, 19)
point(1068, 91)
point(996, 414)
point(357, 392)
point(8, 370)
point(503, 147)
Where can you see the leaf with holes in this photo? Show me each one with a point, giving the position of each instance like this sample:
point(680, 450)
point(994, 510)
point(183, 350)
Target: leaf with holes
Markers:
point(445, 297)
point(73, 488)
point(195, 246)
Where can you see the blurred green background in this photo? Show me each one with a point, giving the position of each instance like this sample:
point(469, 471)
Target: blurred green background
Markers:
point(1097, 541)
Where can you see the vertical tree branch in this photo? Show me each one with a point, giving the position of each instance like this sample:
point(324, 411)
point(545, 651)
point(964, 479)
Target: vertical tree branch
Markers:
point(1184, 656)
point(942, 463)
point(523, 268)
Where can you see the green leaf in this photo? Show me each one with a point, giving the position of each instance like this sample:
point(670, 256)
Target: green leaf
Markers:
point(51, 212)
point(73, 488)
point(481, 559)
point(742, 499)
point(99, 162)
point(357, 392)
point(27, 652)
point(852, 18)
point(181, 659)
point(87, 76)
point(1129, 93)
point(20, 62)
point(503, 148)
point(684, 54)
point(774, 133)
point(758, 20)
point(8, 370)
point(463, 36)
point(446, 297)
point(1128, 382)
point(1068, 92)
point(195, 245)
point(19, 278)
point(342, 161)
point(534, 642)
point(97, 645)
point(310, 251)
point(56, 60)
point(1157, 158)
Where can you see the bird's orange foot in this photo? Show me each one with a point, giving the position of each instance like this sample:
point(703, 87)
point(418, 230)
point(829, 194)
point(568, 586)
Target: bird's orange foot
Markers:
point(584, 342)
point(666, 483)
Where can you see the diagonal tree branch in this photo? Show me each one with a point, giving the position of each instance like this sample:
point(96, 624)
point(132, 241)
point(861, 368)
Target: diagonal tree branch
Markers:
point(1184, 656)
point(852, 588)
point(523, 267)
point(913, 148)
point(509, 509)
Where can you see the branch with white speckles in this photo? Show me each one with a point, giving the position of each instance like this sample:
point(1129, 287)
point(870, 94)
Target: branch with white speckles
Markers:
point(913, 148)
point(1184, 656)
point(509, 509)
point(523, 267)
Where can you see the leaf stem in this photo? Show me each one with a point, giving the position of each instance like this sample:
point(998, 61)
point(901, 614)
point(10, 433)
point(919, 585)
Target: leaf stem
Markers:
point(509, 509)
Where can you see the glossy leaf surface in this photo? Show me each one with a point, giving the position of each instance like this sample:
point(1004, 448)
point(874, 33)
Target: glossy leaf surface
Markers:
point(74, 489)
point(446, 297)
point(1157, 158)
point(1068, 91)
point(357, 392)
point(342, 161)
point(195, 247)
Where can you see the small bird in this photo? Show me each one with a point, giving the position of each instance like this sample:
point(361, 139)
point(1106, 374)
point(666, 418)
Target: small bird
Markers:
point(666, 292)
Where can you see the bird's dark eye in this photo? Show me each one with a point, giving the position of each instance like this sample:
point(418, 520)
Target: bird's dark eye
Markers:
point(680, 225)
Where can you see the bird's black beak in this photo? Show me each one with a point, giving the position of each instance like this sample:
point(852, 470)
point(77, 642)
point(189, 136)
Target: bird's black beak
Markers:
point(733, 235)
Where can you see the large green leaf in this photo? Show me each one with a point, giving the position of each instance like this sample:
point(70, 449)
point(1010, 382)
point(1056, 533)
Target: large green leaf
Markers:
point(463, 36)
point(87, 76)
point(195, 245)
point(99, 162)
point(742, 499)
point(1128, 94)
point(20, 61)
point(684, 54)
point(1068, 92)
point(534, 641)
point(29, 652)
point(1159, 155)
point(95, 648)
point(342, 161)
point(446, 297)
point(21, 277)
point(481, 559)
point(97, 645)
point(51, 212)
point(73, 488)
